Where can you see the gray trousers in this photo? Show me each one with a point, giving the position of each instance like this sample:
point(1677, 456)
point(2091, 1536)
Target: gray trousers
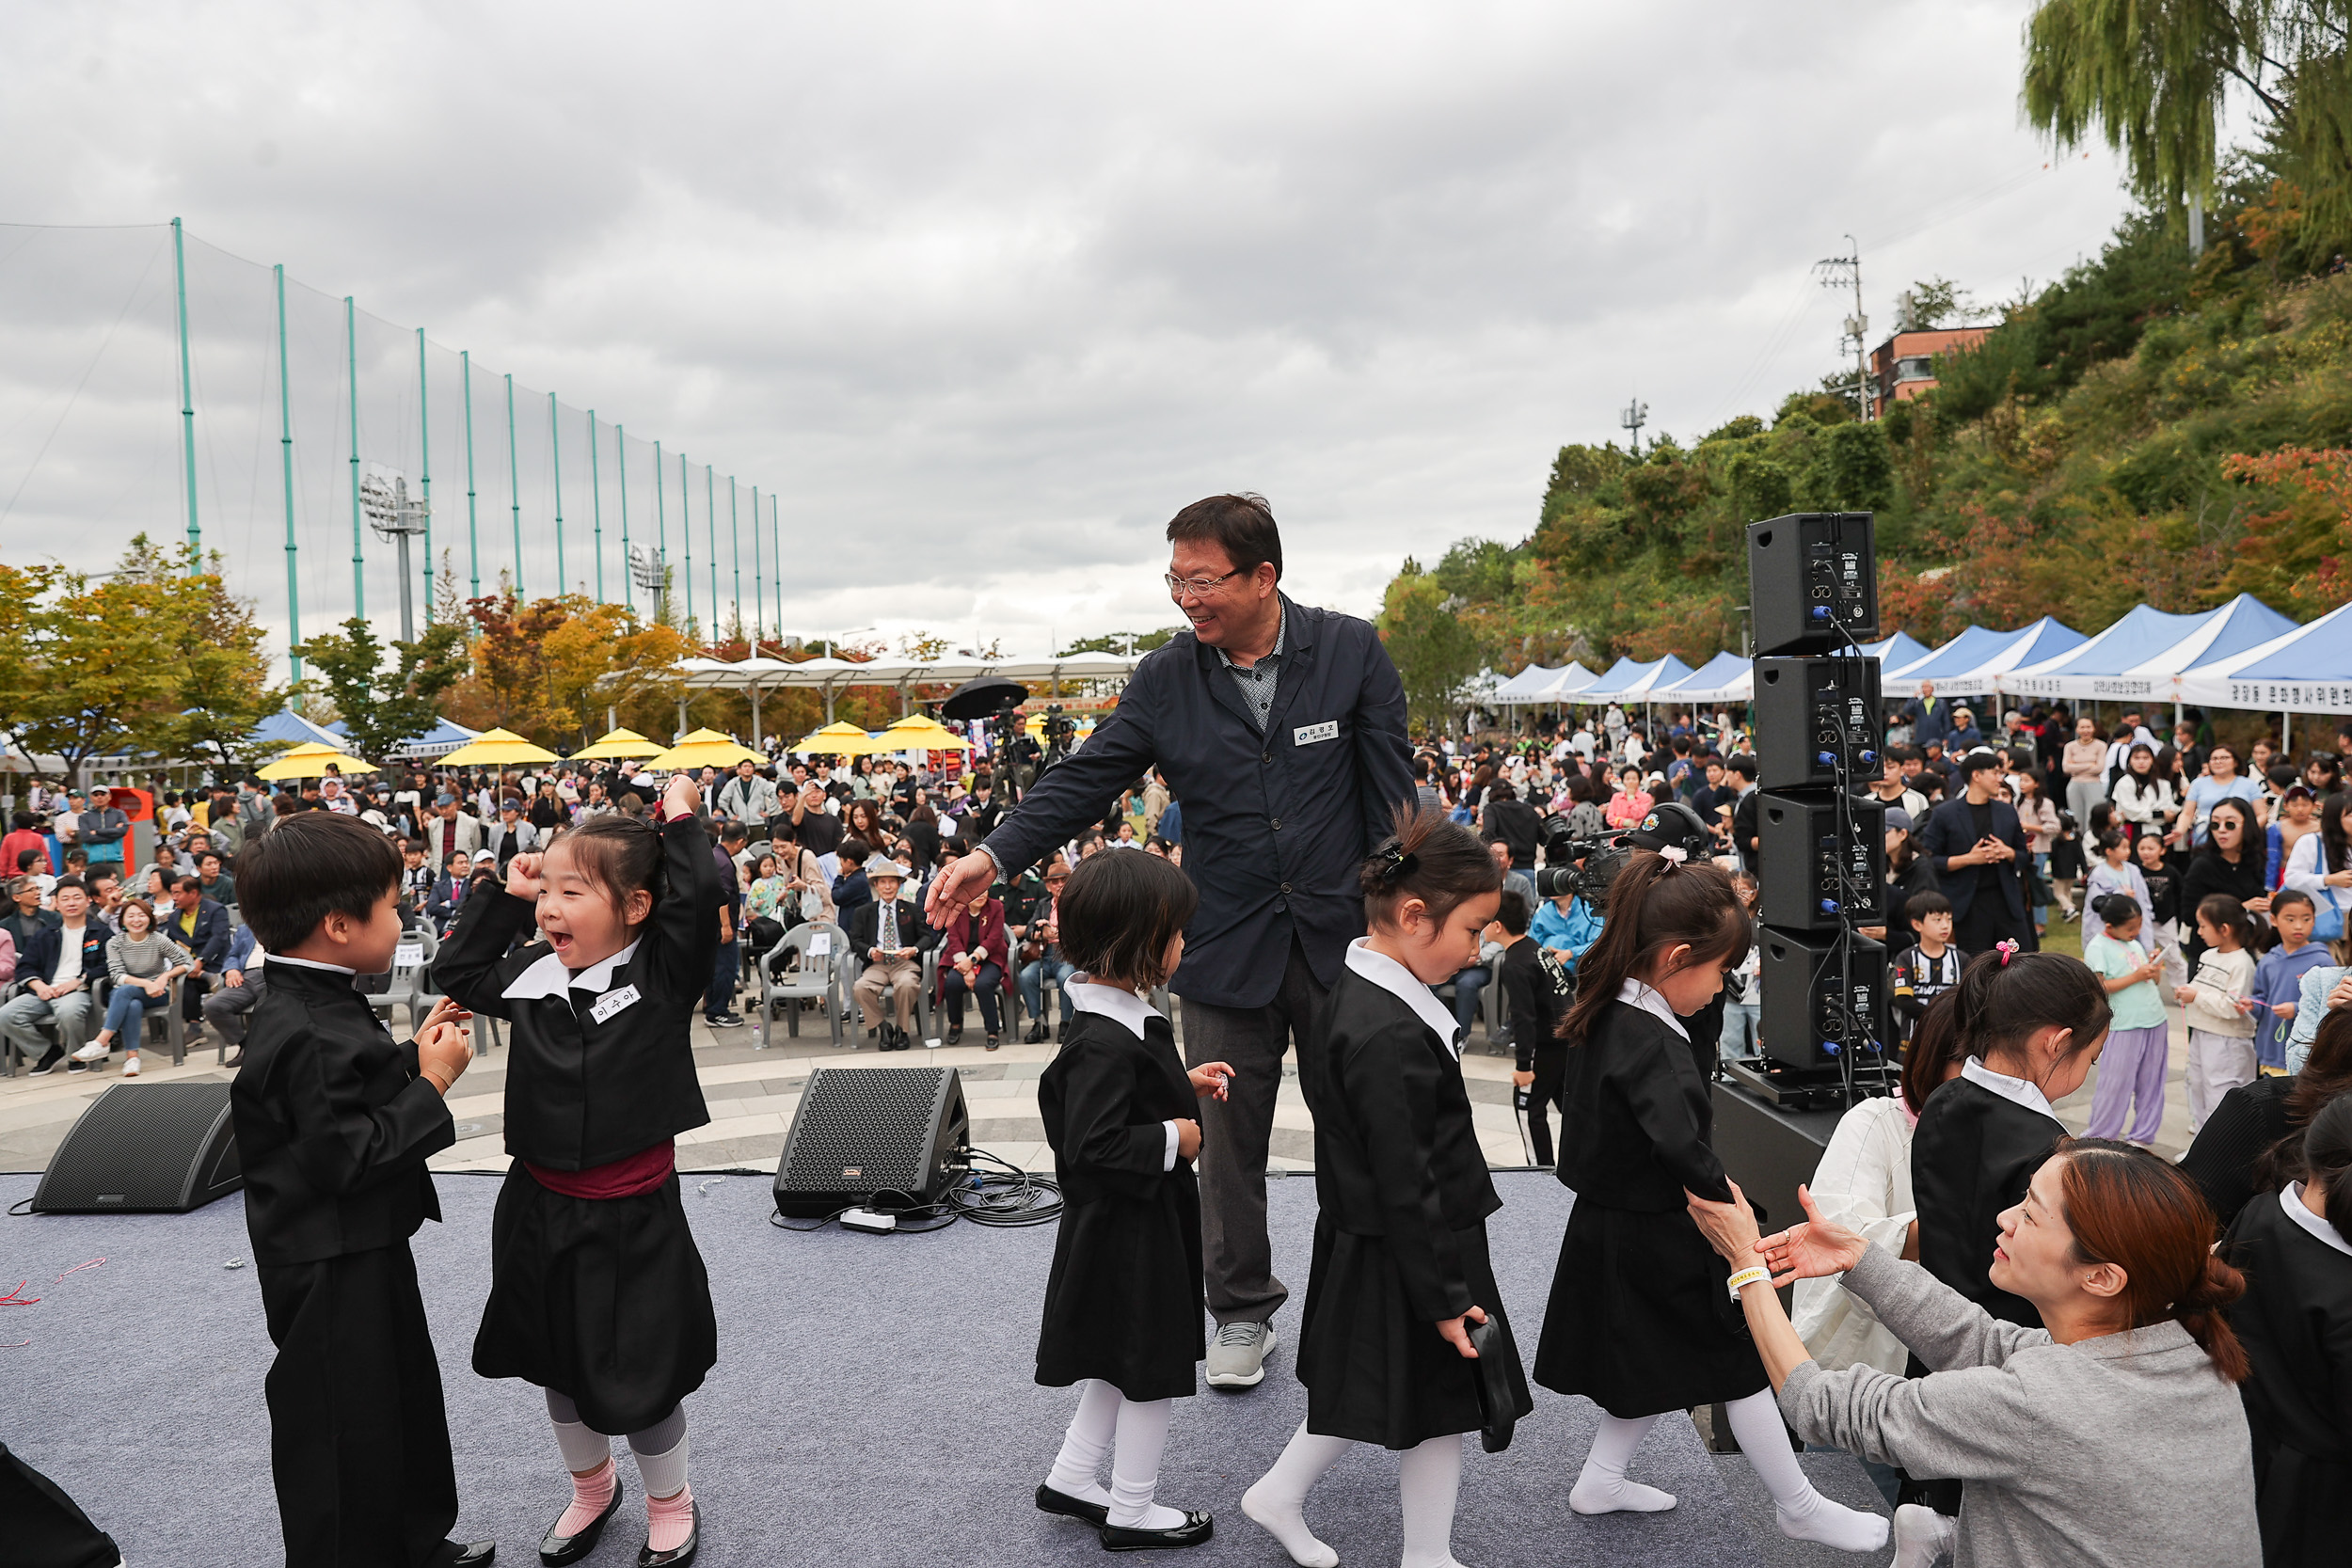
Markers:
point(1236, 1256)
point(225, 1009)
point(74, 1016)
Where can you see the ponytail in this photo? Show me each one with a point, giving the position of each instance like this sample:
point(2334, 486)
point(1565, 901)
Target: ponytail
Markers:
point(1655, 905)
point(2129, 1208)
point(1428, 858)
point(2328, 1160)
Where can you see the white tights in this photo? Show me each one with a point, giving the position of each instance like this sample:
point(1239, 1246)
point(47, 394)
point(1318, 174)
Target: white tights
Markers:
point(1428, 1477)
point(1134, 1433)
point(1803, 1512)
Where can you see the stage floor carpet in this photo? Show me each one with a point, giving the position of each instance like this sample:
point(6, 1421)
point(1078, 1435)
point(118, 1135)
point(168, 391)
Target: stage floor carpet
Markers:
point(872, 1404)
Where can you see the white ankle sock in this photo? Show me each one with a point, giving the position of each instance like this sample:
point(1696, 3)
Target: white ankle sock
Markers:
point(1427, 1478)
point(1923, 1537)
point(1276, 1502)
point(1091, 1428)
point(1136, 1466)
point(1601, 1488)
point(1805, 1514)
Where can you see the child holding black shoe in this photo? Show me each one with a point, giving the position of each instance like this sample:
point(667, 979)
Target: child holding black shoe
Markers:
point(334, 1120)
point(1123, 1303)
point(597, 1293)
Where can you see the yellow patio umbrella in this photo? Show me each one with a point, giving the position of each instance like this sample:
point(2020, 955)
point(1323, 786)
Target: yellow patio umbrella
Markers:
point(705, 748)
point(838, 738)
point(309, 761)
point(620, 743)
point(920, 731)
point(495, 749)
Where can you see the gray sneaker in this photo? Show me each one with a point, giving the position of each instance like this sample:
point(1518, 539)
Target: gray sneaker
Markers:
point(1237, 1354)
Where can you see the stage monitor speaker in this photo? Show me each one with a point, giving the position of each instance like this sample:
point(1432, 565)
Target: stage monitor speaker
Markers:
point(1817, 722)
point(883, 1137)
point(1813, 580)
point(145, 1148)
point(1815, 873)
point(1812, 1012)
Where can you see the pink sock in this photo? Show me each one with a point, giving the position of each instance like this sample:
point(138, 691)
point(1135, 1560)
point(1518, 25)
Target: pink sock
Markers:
point(592, 1494)
point(669, 1521)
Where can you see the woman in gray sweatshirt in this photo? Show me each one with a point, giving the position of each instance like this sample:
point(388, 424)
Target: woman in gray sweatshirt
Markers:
point(142, 963)
point(2112, 1435)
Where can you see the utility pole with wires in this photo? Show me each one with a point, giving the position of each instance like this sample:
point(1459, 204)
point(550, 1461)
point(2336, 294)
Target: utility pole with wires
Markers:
point(1839, 272)
point(1633, 417)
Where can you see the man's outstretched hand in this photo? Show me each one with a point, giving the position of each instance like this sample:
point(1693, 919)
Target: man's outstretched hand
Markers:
point(958, 886)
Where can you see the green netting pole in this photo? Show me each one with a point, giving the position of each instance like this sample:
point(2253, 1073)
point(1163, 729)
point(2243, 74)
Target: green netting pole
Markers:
point(425, 437)
point(759, 577)
point(555, 454)
point(359, 564)
point(515, 487)
point(775, 510)
point(285, 450)
point(686, 528)
point(595, 503)
point(187, 400)
point(661, 536)
point(474, 531)
point(710, 519)
point(629, 566)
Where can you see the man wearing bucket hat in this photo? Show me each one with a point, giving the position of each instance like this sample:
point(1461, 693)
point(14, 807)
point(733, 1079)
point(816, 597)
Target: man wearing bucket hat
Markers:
point(889, 933)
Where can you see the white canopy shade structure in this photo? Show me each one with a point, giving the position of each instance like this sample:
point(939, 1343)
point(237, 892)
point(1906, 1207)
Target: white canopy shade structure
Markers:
point(1973, 662)
point(2307, 669)
point(2141, 656)
point(1523, 687)
point(1540, 682)
point(1570, 680)
point(1726, 679)
point(832, 676)
point(1630, 681)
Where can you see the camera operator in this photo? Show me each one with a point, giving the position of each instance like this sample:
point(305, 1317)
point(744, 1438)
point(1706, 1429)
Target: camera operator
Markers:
point(1281, 730)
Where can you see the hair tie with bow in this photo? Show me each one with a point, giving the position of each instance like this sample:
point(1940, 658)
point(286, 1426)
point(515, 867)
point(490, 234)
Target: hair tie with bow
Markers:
point(2007, 947)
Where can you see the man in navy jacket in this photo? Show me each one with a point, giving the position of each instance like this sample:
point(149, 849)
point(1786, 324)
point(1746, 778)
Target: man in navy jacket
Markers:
point(1280, 729)
point(1975, 846)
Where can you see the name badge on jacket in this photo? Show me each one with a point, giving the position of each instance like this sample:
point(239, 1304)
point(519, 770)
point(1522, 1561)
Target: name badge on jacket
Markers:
point(1307, 734)
point(613, 1002)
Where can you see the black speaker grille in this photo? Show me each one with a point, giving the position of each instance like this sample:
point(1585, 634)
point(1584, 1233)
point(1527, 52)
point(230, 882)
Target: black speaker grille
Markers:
point(137, 1149)
point(862, 1129)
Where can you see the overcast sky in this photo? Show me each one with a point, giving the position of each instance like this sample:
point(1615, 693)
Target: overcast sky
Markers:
point(984, 293)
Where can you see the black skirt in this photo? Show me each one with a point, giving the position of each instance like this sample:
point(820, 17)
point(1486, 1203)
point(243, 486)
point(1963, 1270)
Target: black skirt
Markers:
point(1640, 1320)
point(1122, 1303)
point(1373, 1371)
point(604, 1300)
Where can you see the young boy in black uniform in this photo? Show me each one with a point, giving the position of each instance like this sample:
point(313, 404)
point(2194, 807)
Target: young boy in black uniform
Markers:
point(334, 1120)
point(1542, 1065)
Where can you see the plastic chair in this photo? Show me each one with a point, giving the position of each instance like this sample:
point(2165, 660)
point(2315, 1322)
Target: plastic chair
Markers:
point(818, 975)
point(411, 960)
point(175, 1028)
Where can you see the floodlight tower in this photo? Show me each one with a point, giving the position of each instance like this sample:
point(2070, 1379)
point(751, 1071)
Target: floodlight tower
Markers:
point(394, 516)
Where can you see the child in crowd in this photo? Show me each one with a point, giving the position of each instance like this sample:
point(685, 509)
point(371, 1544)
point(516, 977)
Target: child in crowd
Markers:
point(1124, 1301)
point(2139, 1040)
point(2112, 874)
point(1931, 967)
point(597, 1293)
point(1400, 1270)
point(2161, 933)
point(2310, 1004)
point(2279, 975)
point(1638, 1320)
point(334, 1121)
point(1533, 1004)
point(1743, 1035)
point(2220, 1033)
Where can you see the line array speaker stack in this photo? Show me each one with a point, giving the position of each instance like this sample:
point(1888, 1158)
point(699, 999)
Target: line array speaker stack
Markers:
point(1822, 847)
point(870, 1137)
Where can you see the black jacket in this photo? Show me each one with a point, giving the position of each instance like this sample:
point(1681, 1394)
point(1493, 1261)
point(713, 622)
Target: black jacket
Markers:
point(1529, 1003)
point(863, 924)
point(1515, 825)
point(1277, 826)
point(1973, 1155)
point(209, 941)
point(333, 1123)
point(1396, 1152)
point(581, 1092)
point(37, 959)
point(1952, 831)
point(1637, 1124)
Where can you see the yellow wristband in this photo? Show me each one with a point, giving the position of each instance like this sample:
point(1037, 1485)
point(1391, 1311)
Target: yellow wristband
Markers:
point(1748, 1277)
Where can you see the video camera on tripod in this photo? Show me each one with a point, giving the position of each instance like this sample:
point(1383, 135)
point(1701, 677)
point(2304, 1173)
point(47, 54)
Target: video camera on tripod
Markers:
point(1586, 868)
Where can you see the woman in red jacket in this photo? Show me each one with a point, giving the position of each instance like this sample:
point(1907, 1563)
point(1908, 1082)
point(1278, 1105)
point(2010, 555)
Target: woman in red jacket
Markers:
point(973, 960)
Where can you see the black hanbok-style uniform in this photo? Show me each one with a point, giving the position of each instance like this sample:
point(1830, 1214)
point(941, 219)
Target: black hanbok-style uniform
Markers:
point(2295, 1322)
point(1401, 1238)
point(603, 1299)
point(1641, 1319)
point(334, 1126)
point(1124, 1299)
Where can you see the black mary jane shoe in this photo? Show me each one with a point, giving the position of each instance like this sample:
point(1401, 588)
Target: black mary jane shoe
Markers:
point(1051, 1501)
point(676, 1556)
point(1196, 1530)
point(556, 1550)
point(471, 1554)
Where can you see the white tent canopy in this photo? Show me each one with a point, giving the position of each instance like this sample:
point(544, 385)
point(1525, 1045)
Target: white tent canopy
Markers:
point(1724, 678)
point(2141, 656)
point(1539, 682)
point(1975, 660)
point(2307, 669)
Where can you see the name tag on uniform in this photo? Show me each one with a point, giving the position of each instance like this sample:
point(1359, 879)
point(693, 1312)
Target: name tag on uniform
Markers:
point(613, 1002)
point(1307, 734)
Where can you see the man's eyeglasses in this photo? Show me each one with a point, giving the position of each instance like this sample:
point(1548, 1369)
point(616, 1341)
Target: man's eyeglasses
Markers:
point(1195, 588)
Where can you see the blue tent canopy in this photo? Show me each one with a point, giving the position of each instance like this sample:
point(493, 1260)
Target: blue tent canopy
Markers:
point(2141, 654)
point(442, 738)
point(1726, 677)
point(1628, 679)
point(1976, 659)
point(2307, 669)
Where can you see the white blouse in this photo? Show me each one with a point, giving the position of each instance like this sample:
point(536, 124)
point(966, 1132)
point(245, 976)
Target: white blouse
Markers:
point(1864, 1184)
point(2305, 872)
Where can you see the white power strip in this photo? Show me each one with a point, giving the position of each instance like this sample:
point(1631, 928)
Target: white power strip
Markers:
point(871, 1220)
